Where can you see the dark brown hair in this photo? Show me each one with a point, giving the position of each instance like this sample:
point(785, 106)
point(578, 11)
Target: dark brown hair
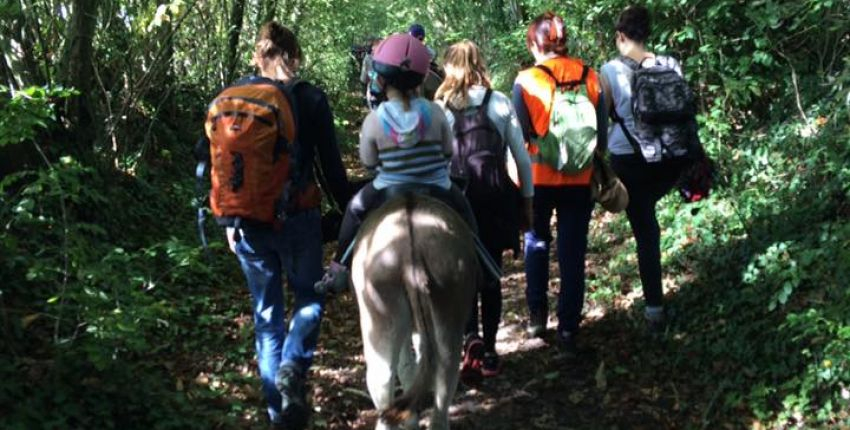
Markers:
point(276, 41)
point(634, 23)
point(547, 31)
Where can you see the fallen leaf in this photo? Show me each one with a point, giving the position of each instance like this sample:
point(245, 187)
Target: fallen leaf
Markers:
point(28, 320)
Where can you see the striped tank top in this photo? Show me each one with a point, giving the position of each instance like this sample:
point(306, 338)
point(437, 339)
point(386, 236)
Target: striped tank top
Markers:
point(410, 157)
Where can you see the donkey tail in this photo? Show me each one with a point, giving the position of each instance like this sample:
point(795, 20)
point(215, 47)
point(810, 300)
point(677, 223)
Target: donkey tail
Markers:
point(417, 285)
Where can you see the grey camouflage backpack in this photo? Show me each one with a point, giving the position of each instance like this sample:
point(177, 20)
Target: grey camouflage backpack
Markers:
point(664, 113)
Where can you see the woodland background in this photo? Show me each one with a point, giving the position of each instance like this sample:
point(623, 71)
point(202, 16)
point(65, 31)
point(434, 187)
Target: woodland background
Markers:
point(112, 317)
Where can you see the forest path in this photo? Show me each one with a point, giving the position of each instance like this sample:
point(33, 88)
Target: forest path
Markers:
point(619, 380)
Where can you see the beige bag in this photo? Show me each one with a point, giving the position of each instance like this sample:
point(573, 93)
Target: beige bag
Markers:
point(606, 188)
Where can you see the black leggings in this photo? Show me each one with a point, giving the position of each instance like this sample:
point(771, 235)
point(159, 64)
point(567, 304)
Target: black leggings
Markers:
point(491, 304)
point(369, 198)
point(647, 183)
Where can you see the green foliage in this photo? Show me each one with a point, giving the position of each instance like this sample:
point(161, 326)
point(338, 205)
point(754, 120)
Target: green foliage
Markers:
point(111, 314)
point(27, 112)
point(104, 289)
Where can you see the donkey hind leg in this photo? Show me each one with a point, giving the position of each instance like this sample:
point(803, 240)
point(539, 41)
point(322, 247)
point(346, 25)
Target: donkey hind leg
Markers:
point(381, 352)
point(407, 361)
point(446, 371)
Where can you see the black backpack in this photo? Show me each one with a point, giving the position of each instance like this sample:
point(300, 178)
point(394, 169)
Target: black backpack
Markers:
point(664, 112)
point(479, 162)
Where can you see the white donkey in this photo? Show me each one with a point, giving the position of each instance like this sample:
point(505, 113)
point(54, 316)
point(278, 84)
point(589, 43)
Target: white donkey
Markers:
point(414, 269)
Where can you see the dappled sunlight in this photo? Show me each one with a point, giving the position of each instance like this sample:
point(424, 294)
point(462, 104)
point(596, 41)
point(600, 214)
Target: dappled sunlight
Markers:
point(113, 316)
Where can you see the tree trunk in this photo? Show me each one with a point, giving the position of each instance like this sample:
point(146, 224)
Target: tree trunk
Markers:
point(78, 71)
point(7, 74)
point(516, 11)
point(237, 14)
point(268, 12)
point(25, 65)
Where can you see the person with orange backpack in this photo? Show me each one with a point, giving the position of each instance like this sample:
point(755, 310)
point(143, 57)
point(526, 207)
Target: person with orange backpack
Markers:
point(561, 109)
point(487, 139)
point(262, 135)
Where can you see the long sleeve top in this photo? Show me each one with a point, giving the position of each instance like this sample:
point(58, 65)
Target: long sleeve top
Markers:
point(501, 113)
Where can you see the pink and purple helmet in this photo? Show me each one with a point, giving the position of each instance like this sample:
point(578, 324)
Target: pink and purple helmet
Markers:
point(402, 60)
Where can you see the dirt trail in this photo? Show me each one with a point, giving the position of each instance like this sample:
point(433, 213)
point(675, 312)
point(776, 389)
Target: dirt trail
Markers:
point(618, 381)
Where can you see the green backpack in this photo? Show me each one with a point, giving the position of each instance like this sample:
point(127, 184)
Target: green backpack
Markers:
point(569, 144)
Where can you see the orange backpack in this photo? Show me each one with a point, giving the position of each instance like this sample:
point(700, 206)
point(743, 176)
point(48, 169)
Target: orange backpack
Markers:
point(251, 128)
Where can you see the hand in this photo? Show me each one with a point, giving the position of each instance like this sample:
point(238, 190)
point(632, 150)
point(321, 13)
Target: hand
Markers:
point(527, 220)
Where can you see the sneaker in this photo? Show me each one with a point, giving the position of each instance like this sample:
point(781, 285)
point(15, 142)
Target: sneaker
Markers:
point(473, 356)
point(334, 281)
point(567, 343)
point(294, 410)
point(491, 365)
point(536, 324)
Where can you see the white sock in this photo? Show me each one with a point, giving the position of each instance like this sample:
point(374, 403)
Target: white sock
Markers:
point(654, 313)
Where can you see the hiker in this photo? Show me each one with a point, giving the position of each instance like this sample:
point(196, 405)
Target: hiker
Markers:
point(367, 76)
point(487, 135)
point(418, 31)
point(406, 140)
point(435, 75)
point(637, 157)
point(559, 104)
point(268, 199)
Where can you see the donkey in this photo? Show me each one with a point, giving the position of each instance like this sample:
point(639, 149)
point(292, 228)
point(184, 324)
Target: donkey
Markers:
point(414, 269)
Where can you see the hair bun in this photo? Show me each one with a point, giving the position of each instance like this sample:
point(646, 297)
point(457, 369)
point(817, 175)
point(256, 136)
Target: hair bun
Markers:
point(276, 40)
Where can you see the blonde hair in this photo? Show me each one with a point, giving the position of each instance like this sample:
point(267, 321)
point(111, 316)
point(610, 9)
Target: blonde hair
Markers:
point(464, 68)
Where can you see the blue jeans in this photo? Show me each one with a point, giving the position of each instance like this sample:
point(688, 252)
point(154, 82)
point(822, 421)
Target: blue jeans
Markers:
point(573, 207)
point(264, 255)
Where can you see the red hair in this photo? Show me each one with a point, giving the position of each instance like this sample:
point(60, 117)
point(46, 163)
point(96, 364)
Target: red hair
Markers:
point(548, 33)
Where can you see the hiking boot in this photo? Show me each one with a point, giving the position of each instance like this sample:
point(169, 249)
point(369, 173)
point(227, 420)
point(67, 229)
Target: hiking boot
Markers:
point(491, 365)
point(473, 356)
point(567, 343)
point(536, 324)
point(294, 410)
point(334, 281)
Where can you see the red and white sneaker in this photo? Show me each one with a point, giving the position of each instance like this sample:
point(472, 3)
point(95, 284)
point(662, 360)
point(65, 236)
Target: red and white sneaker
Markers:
point(491, 365)
point(473, 361)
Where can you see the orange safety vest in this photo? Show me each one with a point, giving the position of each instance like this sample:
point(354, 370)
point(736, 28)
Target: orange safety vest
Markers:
point(536, 87)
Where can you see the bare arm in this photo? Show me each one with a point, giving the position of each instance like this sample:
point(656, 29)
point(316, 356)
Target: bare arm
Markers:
point(606, 91)
point(368, 145)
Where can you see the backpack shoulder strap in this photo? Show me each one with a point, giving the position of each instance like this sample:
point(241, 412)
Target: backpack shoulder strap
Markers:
point(629, 62)
point(480, 112)
point(584, 72)
point(569, 84)
point(486, 100)
point(548, 71)
point(482, 108)
point(632, 141)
